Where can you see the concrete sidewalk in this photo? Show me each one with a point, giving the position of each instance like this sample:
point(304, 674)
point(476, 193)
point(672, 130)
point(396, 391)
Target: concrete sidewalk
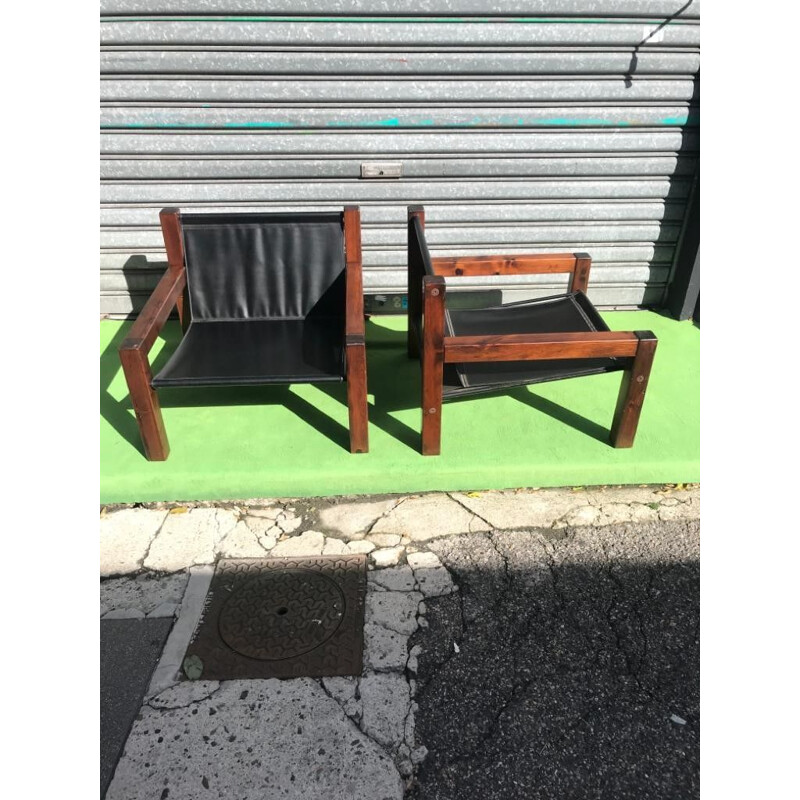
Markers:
point(480, 607)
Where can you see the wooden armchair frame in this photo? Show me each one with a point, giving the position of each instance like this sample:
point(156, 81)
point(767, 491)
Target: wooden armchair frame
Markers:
point(427, 339)
point(172, 292)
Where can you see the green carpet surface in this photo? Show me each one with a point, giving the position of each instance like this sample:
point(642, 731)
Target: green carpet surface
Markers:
point(238, 443)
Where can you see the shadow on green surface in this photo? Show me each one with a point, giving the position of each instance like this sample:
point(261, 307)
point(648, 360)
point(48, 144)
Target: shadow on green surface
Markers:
point(118, 413)
point(398, 388)
point(393, 380)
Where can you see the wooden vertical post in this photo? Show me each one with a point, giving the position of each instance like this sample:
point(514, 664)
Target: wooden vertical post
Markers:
point(433, 289)
point(415, 273)
point(173, 241)
point(632, 391)
point(145, 403)
point(355, 343)
point(580, 275)
point(356, 356)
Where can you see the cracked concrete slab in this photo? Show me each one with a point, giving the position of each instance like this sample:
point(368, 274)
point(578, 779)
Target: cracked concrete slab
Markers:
point(547, 508)
point(125, 537)
point(345, 690)
point(423, 559)
point(360, 547)
point(269, 512)
point(534, 509)
point(189, 539)
point(162, 538)
point(386, 701)
point(384, 539)
point(251, 740)
point(309, 543)
point(350, 520)
point(427, 517)
point(434, 581)
point(396, 579)
point(384, 650)
point(396, 611)
point(386, 556)
point(245, 542)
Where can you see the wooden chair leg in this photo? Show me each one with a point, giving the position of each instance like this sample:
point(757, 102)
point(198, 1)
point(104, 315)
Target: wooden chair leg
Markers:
point(145, 404)
point(432, 365)
point(632, 390)
point(357, 397)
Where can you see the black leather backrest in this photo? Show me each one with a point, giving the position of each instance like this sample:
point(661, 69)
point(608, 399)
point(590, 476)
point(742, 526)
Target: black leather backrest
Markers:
point(262, 266)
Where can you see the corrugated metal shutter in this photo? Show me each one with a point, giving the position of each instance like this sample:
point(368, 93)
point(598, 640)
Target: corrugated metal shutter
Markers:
point(558, 124)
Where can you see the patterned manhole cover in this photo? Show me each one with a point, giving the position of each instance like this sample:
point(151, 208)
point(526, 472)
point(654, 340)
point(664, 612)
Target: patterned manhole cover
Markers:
point(281, 617)
point(282, 614)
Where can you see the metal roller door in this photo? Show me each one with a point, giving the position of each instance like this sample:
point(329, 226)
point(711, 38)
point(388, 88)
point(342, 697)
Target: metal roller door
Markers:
point(551, 125)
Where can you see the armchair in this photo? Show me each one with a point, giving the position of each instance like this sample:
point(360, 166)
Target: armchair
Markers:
point(262, 299)
point(480, 350)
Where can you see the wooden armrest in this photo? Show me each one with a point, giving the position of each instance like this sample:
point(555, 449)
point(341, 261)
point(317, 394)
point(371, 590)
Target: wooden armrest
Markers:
point(448, 266)
point(152, 317)
point(578, 264)
point(354, 281)
point(540, 346)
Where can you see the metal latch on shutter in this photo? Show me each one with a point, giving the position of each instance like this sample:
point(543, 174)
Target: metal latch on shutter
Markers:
point(382, 169)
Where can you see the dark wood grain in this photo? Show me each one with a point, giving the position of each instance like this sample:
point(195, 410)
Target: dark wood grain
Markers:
point(433, 291)
point(447, 266)
point(133, 356)
point(580, 276)
point(539, 346)
point(414, 284)
point(152, 317)
point(355, 346)
point(356, 365)
point(170, 219)
point(145, 403)
point(632, 391)
point(354, 281)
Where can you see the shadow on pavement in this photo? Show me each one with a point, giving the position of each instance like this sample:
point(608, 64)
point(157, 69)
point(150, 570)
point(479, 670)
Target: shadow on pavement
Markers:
point(563, 668)
point(129, 651)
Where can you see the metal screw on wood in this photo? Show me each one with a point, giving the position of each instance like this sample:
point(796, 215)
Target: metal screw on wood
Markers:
point(431, 410)
point(640, 379)
point(434, 292)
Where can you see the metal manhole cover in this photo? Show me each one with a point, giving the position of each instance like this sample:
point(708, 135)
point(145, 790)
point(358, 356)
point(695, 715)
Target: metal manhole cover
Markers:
point(281, 617)
point(282, 614)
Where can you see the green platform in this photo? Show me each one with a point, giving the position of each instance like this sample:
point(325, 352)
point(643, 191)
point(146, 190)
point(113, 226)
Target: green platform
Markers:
point(292, 441)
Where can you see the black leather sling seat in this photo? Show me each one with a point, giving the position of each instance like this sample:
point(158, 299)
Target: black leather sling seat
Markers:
point(256, 316)
point(567, 313)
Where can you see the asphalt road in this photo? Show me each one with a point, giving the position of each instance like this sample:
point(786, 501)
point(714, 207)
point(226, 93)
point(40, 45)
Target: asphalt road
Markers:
point(129, 651)
point(567, 666)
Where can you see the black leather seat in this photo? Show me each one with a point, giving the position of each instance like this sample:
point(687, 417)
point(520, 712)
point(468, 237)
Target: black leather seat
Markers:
point(252, 352)
point(559, 314)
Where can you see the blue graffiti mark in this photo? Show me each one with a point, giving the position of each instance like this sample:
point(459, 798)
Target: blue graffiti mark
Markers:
point(691, 118)
point(385, 123)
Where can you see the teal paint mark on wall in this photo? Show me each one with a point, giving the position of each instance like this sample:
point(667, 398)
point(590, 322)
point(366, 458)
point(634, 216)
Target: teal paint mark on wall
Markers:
point(394, 122)
point(568, 122)
point(690, 118)
point(682, 120)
